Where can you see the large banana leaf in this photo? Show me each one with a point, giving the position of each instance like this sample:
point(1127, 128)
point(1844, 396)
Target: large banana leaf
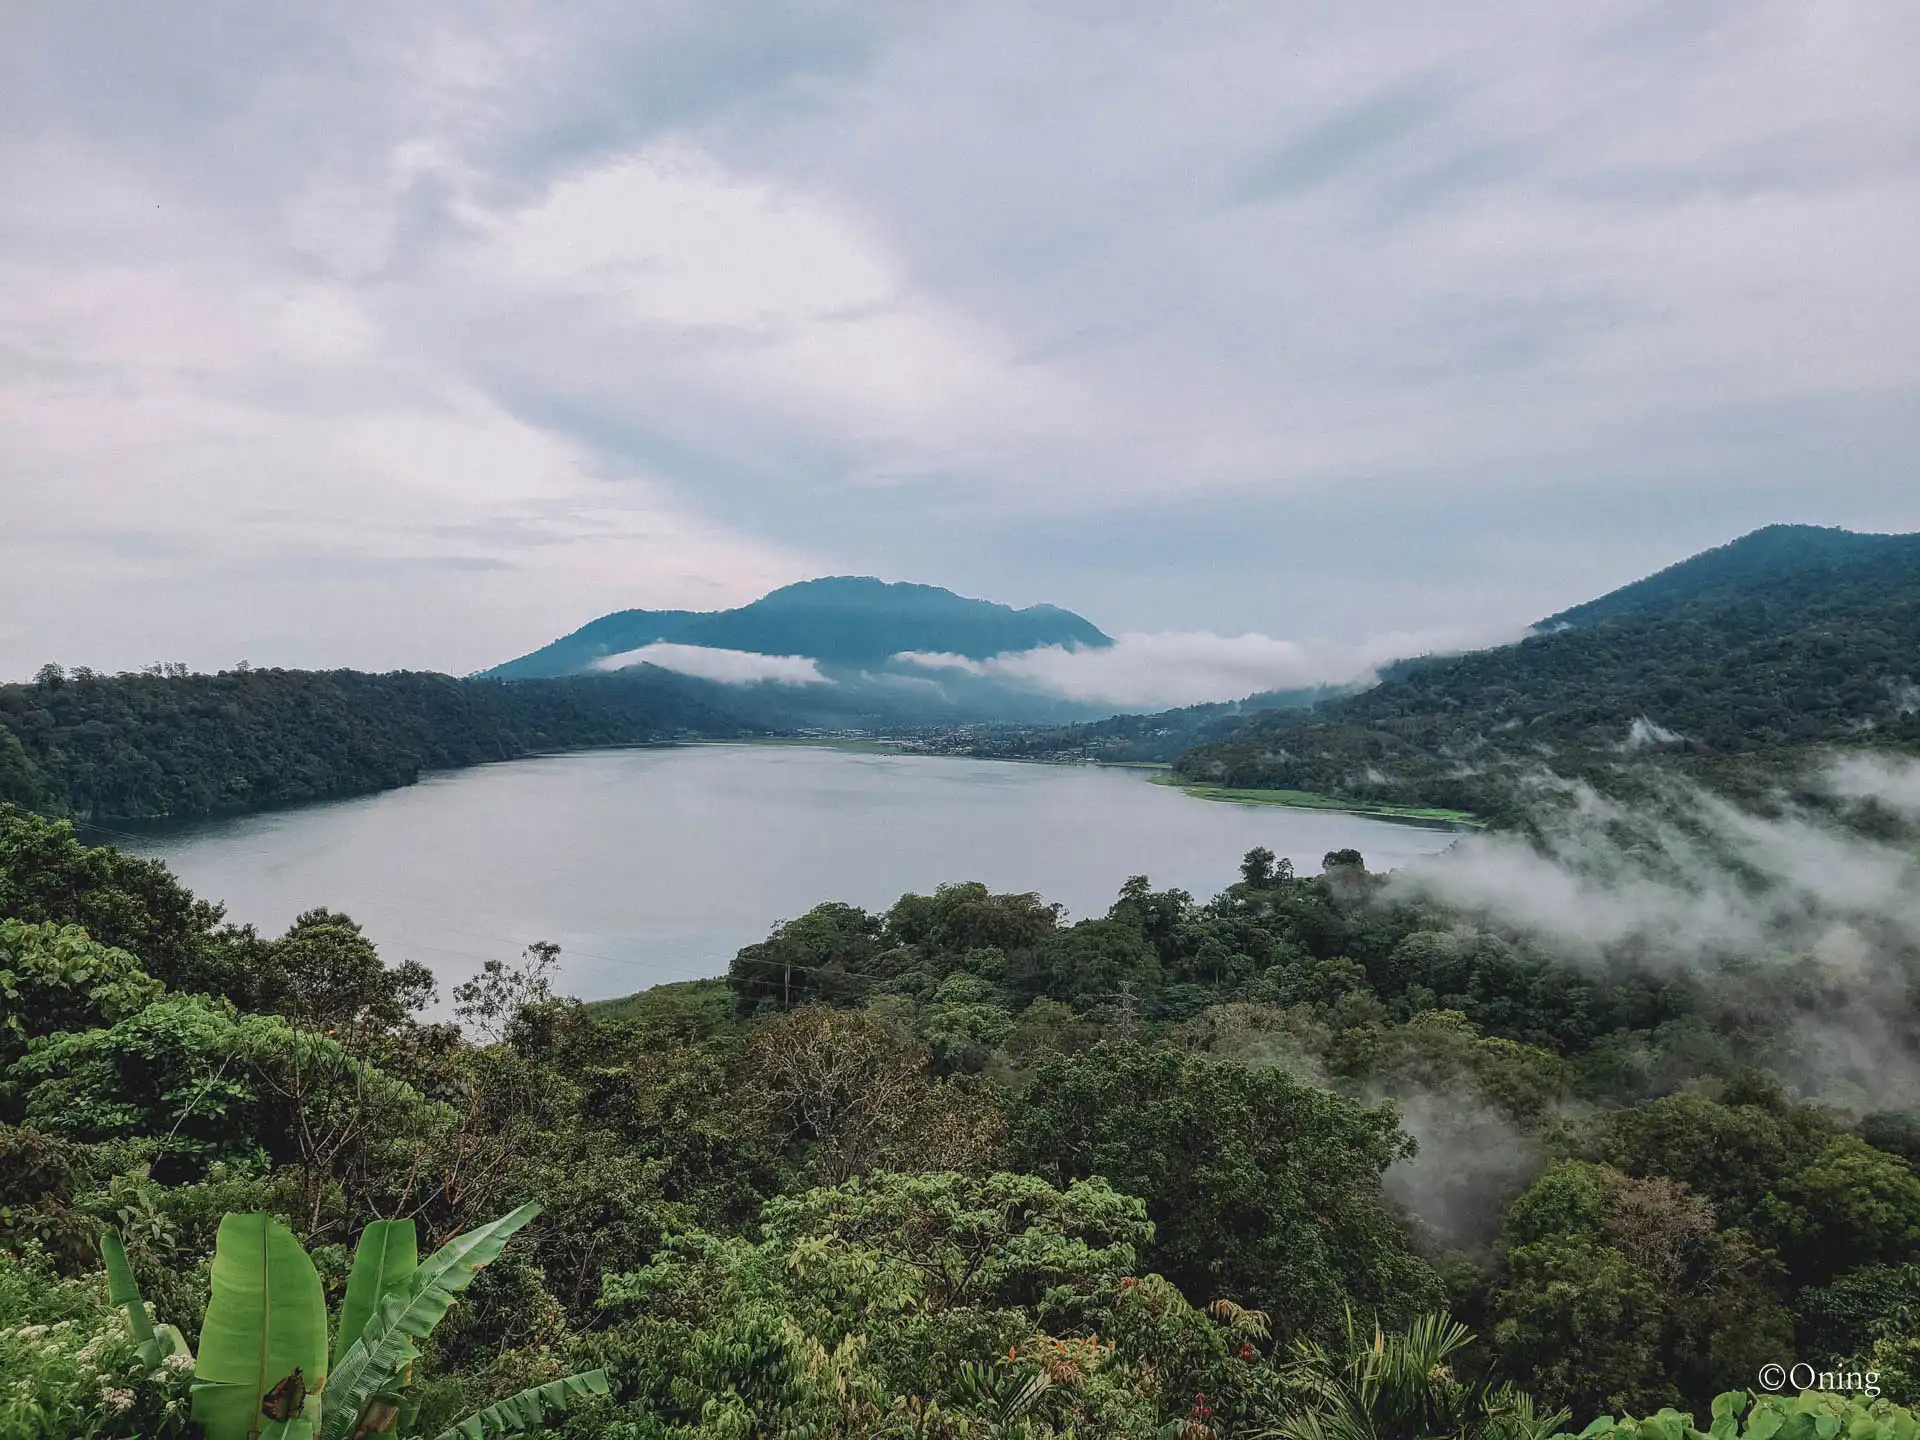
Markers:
point(386, 1258)
point(529, 1407)
point(403, 1316)
point(266, 1318)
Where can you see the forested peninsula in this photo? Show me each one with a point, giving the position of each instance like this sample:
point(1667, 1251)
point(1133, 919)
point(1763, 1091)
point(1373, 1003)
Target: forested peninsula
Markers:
point(955, 1169)
point(166, 743)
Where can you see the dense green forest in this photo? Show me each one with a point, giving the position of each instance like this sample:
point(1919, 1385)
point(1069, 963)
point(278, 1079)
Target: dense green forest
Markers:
point(959, 1168)
point(1788, 638)
point(169, 743)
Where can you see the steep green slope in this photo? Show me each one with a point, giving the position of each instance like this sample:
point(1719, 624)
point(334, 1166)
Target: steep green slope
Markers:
point(1789, 637)
point(840, 621)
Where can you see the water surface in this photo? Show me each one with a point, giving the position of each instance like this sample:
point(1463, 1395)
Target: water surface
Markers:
point(658, 864)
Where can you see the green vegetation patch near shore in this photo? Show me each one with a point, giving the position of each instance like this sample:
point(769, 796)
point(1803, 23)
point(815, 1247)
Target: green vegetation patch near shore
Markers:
point(1309, 800)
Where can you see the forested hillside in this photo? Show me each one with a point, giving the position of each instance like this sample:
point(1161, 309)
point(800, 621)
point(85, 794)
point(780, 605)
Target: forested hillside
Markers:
point(1790, 637)
point(143, 746)
point(1129, 739)
point(963, 1169)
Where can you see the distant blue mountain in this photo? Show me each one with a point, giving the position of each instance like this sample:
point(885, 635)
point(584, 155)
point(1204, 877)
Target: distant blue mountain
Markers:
point(843, 621)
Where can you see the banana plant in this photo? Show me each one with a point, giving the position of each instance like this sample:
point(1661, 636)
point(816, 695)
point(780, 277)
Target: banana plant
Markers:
point(364, 1390)
point(153, 1343)
point(386, 1259)
point(529, 1407)
point(264, 1371)
point(262, 1364)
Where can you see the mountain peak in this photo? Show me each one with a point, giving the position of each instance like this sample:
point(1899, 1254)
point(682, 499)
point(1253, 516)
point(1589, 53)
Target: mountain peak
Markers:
point(843, 620)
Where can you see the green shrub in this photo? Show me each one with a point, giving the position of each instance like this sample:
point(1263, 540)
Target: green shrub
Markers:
point(68, 1367)
point(1738, 1415)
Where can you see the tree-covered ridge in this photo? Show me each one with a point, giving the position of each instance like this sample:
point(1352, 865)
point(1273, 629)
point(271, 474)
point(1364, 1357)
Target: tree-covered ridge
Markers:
point(840, 621)
point(1789, 638)
point(963, 1168)
point(153, 745)
point(1793, 553)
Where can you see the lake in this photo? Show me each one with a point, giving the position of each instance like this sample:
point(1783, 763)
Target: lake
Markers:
point(651, 865)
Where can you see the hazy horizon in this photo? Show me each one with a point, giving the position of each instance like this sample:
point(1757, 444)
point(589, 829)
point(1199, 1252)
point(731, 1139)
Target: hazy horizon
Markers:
point(1279, 340)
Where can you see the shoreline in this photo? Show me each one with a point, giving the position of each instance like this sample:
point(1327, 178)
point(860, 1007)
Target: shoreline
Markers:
point(1309, 800)
point(1431, 815)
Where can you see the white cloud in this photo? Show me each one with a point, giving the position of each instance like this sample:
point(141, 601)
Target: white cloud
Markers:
point(733, 667)
point(1643, 733)
point(1160, 671)
point(192, 424)
point(547, 313)
point(668, 238)
point(768, 298)
point(1887, 779)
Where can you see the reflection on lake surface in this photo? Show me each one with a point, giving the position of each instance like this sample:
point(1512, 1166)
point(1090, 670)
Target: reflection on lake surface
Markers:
point(655, 865)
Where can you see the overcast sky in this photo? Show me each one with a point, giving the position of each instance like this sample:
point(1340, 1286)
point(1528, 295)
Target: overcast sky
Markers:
point(419, 334)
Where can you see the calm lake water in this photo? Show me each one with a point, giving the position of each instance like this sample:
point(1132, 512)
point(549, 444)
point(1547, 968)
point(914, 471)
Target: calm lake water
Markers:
point(655, 865)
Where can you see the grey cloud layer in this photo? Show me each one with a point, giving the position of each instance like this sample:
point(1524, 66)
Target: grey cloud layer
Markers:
point(1164, 669)
point(731, 667)
point(548, 311)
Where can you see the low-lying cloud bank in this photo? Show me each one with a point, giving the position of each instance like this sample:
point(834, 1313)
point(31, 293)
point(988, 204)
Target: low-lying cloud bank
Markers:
point(1139, 671)
point(1693, 878)
point(1765, 903)
point(1160, 671)
point(1892, 781)
point(731, 667)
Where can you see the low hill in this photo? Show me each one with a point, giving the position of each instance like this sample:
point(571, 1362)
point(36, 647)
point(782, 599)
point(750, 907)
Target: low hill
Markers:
point(841, 621)
point(1791, 636)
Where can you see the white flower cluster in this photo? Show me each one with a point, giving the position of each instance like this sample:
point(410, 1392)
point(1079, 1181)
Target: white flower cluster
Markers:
point(71, 1370)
